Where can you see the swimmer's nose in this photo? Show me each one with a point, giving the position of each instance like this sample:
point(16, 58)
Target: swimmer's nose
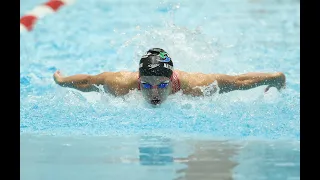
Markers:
point(155, 92)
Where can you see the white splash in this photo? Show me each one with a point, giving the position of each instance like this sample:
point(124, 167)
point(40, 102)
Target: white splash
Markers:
point(209, 90)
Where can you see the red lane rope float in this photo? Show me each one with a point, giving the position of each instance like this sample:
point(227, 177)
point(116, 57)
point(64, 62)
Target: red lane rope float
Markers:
point(28, 21)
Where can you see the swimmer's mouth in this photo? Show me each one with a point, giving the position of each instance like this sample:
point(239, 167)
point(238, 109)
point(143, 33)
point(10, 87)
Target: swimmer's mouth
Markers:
point(155, 101)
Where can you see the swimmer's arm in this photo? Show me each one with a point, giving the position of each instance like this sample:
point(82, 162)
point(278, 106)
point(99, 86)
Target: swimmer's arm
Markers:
point(247, 81)
point(190, 82)
point(81, 82)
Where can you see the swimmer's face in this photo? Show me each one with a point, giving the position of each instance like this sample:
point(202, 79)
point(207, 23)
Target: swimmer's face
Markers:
point(155, 89)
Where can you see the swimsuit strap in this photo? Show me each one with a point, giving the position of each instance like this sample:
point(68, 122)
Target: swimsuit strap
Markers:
point(175, 83)
point(139, 82)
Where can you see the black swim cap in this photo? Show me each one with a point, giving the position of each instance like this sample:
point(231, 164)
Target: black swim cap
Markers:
point(156, 62)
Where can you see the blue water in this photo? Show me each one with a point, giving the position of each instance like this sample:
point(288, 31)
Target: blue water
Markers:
point(67, 134)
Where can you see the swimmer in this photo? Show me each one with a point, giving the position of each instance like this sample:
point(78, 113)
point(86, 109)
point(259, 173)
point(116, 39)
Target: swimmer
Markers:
point(157, 79)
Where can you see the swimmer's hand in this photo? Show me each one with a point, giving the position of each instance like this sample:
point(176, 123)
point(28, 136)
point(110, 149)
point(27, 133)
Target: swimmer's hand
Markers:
point(57, 76)
point(279, 82)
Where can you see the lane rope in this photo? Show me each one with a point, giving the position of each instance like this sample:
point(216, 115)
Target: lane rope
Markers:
point(28, 21)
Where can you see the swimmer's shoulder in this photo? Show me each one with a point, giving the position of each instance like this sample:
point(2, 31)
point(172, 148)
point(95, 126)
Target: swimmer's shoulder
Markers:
point(190, 79)
point(184, 74)
point(121, 82)
point(120, 76)
point(180, 74)
point(126, 79)
point(183, 78)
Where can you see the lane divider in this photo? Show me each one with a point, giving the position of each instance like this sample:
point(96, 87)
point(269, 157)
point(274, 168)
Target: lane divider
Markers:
point(27, 22)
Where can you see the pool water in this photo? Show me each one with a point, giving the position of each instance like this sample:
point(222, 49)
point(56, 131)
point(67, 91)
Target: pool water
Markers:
point(67, 134)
